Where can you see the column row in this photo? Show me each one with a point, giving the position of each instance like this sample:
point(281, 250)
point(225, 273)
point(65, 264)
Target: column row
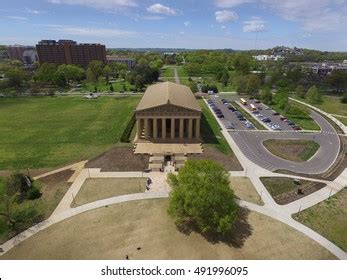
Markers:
point(165, 128)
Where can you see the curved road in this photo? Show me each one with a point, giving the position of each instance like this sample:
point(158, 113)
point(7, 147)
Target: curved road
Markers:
point(251, 144)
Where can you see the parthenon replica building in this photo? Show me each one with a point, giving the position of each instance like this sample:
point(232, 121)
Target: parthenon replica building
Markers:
point(168, 113)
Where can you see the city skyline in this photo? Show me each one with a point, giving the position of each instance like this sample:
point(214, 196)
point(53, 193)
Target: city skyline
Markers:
point(207, 24)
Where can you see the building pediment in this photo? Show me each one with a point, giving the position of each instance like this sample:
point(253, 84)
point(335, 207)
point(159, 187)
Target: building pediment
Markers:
point(168, 108)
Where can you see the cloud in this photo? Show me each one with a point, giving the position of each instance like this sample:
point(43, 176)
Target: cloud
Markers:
point(223, 27)
point(186, 23)
point(98, 4)
point(313, 15)
point(226, 16)
point(231, 3)
point(34, 12)
point(152, 17)
point(17, 17)
point(161, 9)
point(95, 32)
point(255, 24)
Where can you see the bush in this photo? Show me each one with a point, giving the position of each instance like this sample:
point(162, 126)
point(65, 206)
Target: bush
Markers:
point(344, 99)
point(34, 193)
point(125, 138)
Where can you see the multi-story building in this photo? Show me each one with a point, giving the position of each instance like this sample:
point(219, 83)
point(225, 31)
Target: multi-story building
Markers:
point(131, 63)
point(69, 52)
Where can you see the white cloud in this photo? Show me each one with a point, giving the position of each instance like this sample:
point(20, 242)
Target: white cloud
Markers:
point(226, 16)
point(95, 32)
point(17, 17)
point(161, 9)
point(223, 27)
point(34, 12)
point(186, 23)
point(231, 3)
point(313, 15)
point(152, 17)
point(255, 24)
point(98, 4)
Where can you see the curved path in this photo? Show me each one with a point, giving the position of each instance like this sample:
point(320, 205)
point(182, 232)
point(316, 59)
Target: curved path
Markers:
point(251, 145)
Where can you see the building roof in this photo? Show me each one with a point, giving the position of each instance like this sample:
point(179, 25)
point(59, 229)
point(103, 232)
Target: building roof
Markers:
point(168, 93)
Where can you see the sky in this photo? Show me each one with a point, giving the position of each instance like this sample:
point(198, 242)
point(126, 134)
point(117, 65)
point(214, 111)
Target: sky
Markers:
point(204, 24)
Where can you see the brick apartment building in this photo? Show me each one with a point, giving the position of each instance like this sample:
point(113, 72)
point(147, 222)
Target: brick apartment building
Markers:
point(69, 52)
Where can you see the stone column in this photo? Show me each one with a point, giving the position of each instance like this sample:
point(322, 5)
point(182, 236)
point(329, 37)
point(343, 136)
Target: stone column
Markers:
point(181, 128)
point(190, 129)
point(155, 128)
point(163, 128)
point(197, 129)
point(138, 129)
point(146, 129)
point(172, 128)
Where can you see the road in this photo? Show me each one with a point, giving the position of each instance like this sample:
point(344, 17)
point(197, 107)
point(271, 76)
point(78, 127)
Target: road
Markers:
point(250, 143)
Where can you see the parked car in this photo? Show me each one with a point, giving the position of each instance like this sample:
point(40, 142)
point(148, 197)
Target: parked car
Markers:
point(257, 101)
point(283, 118)
point(220, 116)
point(275, 114)
point(290, 123)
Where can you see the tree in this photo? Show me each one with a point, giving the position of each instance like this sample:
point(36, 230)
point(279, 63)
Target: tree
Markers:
point(107, 71)
point(193, 86)
point(94, 71)
point(111, 88)
point(281, 98)
point(225, 79)
point(46, 73)
point(253, 84)
point(300, 92)
point(314, 95)
point(16, 77)
point(337, 80)
point(242, 64)
point(201, 196)
point(240, 83)
point(266, 96)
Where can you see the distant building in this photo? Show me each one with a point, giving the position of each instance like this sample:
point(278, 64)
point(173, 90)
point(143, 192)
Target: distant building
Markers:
point(265, 57)
point(325, 68)
point(131, 63)
point(30, 56)
point(69, 52)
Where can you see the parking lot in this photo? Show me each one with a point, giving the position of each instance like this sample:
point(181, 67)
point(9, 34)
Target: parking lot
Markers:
point(229, 116)
point(269, 117)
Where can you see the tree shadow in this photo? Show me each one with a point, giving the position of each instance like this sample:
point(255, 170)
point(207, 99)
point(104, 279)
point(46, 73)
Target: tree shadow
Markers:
point(240, 232)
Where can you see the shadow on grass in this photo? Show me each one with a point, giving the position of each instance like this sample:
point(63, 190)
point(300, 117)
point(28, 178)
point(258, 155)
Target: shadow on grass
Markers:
point(207, 134)
point(240, 232)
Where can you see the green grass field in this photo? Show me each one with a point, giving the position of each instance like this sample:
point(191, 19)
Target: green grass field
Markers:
point(305, 122)
point(41, 132)
point(343, 120)
point(210, 130)
point(331, 104)
point(329, 218)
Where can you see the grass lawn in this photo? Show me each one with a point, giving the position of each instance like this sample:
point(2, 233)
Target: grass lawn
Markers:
point(293, 150)
point(343, 120)
point(52, 187)
point(248, 116)
point(305, 122)
point(328, 218)
point(331, 104)
point(96, 189)
point(41, 132)
point(210, 130)
point(143, 230)
point(283, 190)
point(244, 190)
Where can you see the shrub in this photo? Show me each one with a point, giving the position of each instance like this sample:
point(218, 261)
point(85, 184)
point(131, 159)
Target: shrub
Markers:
point(34, 193)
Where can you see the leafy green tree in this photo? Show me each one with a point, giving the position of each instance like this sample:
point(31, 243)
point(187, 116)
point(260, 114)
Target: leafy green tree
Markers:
point(70, 73)
point(281, 98)
point(202, 197)
point(266, 96)
point(193, 86)
point(225, 78)
point(300, 92)
point(253, 84)
point(16, 77)
point(242, 64)
point(314, 95)
point(46, 73)
point(337, 80)
point(94, 71)
point(240, 83)
point(111, 88)
point(107, 72)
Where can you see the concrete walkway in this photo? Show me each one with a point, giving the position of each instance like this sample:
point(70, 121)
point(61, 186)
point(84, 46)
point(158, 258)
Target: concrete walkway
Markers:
point(177, 78)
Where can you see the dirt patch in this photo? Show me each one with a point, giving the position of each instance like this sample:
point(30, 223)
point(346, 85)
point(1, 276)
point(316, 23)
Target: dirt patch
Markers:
point(283, 190)
point(52, 180)
point(119, 159)
point(230, 162)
